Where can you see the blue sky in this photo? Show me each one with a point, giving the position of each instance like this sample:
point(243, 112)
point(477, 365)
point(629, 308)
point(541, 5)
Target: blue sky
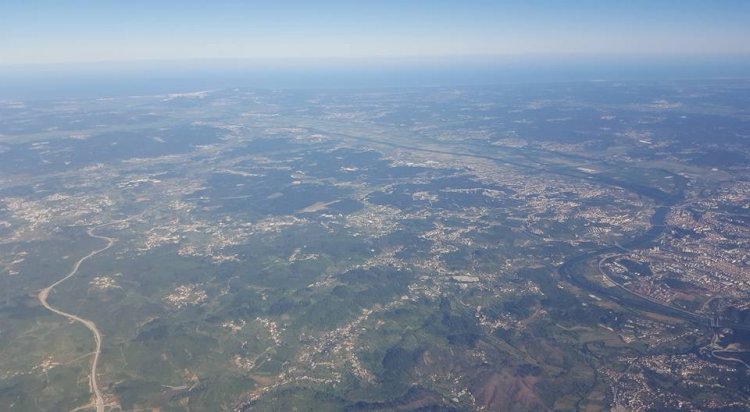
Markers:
point(33, 32)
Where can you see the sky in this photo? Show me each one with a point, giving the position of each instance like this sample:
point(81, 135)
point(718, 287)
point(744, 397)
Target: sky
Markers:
point(34, 32)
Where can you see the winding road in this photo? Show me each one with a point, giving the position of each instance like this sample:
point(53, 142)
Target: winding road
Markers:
point(44, 294)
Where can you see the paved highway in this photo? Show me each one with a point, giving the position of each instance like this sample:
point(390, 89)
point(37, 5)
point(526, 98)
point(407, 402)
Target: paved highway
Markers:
point(44, 294)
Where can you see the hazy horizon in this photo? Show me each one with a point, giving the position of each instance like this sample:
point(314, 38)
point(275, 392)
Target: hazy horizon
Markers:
point(108, 48)
point(157, 77)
